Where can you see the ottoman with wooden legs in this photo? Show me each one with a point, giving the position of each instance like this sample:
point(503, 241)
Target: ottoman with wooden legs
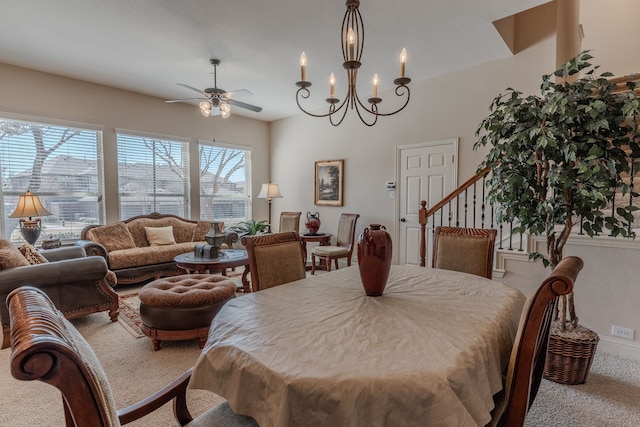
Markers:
point(182, 307)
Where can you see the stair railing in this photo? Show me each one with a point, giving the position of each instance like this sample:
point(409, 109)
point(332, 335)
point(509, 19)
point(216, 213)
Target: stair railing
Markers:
point(466, 206)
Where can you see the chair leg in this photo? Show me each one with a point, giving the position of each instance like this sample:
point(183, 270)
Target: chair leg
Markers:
point(336, 260)
point(313, 264)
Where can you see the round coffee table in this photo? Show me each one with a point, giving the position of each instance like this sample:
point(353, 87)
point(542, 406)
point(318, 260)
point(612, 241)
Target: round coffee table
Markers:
point(229, 258)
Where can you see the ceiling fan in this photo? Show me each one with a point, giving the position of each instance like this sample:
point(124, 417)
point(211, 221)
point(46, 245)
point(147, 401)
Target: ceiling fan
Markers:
point(216, 101)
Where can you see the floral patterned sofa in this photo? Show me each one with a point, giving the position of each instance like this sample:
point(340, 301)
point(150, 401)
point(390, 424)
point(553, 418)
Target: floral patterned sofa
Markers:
point(143, 247)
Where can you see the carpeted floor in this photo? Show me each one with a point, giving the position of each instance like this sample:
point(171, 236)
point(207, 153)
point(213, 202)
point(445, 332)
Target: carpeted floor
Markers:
point(129, 316)
point(610, 397)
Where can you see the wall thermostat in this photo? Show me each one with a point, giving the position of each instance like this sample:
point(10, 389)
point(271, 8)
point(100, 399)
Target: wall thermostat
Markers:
point(391, 185)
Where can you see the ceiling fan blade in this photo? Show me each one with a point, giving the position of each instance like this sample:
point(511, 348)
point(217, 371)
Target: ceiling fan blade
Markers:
point(192, 88)
point(237, 93)
point(169, 101)
point(245, 105)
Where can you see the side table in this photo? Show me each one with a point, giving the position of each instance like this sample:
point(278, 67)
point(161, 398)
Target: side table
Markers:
point(324, 239)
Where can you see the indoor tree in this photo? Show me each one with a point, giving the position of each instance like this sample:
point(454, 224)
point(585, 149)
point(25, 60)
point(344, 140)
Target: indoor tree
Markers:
point(558, 159)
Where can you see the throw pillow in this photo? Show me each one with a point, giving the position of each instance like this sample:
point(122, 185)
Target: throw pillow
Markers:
point(32, 255)
point(113, 237)
point(10, 256)
point(158, 236)
point(201, 228)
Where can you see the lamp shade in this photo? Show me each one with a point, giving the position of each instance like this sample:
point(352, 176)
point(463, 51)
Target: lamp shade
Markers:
point(29, 205)
point(269, 191)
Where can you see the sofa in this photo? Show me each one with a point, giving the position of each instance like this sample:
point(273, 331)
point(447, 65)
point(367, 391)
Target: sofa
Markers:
point(77, 284)
point(142, 248)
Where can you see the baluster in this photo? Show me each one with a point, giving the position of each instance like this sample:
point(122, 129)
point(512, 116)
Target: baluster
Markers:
point(474, 203)
point(520, 248)
point(581, 225)
point(511, 235)
point(500, 228)
point(631, 186)
point(449, 215)
point(483, 207)
point(458, 211)
point(493, 212)
point(613, 208)
point(466, 207)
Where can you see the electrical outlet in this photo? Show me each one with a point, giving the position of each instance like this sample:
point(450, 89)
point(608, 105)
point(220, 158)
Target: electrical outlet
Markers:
point(619, 331)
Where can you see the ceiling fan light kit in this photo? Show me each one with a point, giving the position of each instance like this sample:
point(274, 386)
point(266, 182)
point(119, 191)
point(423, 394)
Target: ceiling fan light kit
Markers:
point(352, 39)
point(216, 101)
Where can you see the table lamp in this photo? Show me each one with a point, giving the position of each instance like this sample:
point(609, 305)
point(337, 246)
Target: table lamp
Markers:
point(269, 191)
point(29, 205)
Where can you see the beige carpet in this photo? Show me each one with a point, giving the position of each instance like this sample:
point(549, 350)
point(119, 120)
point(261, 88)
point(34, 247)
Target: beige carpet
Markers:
point(611, 396)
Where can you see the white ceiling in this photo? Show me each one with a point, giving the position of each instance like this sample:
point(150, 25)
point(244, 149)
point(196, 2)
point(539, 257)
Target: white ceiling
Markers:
point(148, 46)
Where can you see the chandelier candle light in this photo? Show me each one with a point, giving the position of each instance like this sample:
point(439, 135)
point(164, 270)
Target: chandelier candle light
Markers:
point(29, 205)
point(352, 40)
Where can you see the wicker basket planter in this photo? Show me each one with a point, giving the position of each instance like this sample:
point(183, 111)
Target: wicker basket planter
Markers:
point(570, 354)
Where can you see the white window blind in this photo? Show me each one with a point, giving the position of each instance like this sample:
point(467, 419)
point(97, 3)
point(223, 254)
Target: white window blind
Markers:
point(223, 183)
point(153, 175)
point(62, 165)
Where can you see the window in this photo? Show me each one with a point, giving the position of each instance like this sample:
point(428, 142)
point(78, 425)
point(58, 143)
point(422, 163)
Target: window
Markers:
point(60, 164)
point(153, 175)
point(224, 195)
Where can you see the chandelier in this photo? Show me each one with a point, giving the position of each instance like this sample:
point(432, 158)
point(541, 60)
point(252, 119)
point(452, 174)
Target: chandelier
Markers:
point(215, 107)
point(352, 40)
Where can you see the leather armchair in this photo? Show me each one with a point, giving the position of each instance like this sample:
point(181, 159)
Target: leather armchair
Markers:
point(77, 284)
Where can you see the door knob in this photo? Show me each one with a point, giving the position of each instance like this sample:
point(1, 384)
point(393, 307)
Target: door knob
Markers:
point(403, 220)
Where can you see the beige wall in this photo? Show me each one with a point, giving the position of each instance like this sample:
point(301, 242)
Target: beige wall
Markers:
point(40, 95)
point(608, 291)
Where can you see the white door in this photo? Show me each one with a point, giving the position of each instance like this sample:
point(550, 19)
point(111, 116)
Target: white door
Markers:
point(425, 172)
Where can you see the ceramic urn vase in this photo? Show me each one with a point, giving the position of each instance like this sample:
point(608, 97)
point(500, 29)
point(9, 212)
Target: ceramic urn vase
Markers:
point(374, 258)
point(312, 223)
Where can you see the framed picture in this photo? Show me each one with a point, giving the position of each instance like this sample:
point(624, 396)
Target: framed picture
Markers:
point(329, 182)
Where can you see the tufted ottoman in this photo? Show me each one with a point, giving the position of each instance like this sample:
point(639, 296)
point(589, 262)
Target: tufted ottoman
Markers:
point(182, 307)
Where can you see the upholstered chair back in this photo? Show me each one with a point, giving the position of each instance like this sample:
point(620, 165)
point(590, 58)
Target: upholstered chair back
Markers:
point(346, 230)
point(289, 221)
point(469, 250)
point(274, 259)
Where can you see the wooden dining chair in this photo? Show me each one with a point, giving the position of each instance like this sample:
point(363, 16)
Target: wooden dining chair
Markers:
point(344, 244)
point(469, 250)
point(529, 351)
point(274, 259)
point(290, 221)
point(47, 347)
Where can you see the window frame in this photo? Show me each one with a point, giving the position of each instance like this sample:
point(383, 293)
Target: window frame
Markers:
point(248, 210)
point(127, 137)
point(75, 227)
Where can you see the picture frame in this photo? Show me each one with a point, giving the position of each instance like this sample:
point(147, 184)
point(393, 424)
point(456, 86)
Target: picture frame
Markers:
point(329, 183)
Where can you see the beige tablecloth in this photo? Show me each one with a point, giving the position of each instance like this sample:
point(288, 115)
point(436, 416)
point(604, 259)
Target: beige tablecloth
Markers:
point(318, 352)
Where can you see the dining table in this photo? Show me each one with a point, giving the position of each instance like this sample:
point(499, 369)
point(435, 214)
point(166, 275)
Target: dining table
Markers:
point(430, 351)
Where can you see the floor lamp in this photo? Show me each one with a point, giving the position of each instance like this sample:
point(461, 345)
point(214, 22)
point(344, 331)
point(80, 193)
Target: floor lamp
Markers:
point(29, 205)
point(269, 191)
